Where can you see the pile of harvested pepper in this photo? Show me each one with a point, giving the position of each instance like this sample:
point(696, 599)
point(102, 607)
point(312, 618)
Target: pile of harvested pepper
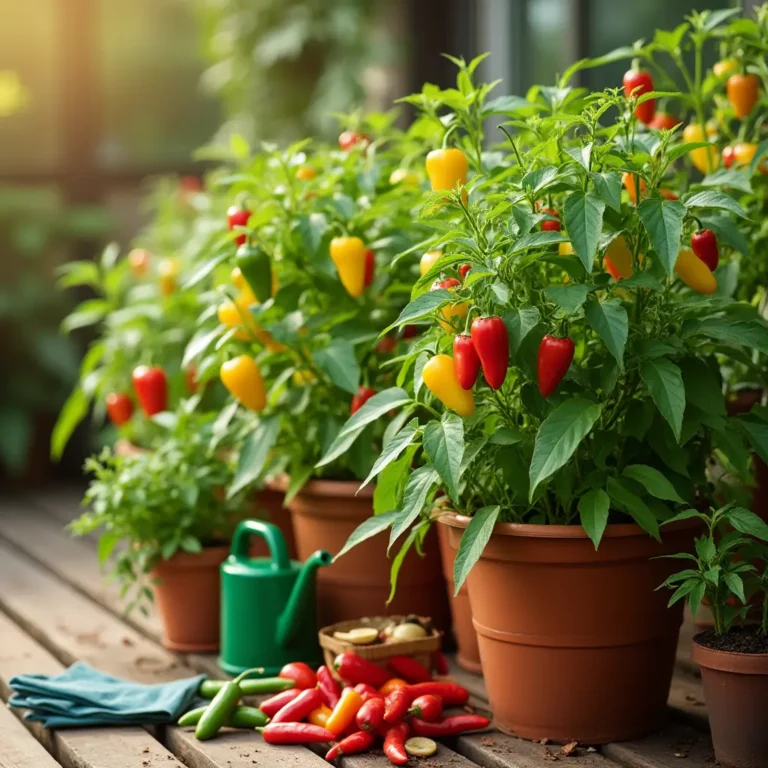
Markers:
point(401, 706)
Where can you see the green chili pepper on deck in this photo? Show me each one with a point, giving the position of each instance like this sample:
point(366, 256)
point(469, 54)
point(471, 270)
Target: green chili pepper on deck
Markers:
point(240, 717)
point(224, 702)
point(209, 688)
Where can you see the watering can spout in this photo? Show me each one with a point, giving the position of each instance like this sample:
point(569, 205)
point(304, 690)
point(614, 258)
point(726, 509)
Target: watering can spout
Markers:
point(301, 597)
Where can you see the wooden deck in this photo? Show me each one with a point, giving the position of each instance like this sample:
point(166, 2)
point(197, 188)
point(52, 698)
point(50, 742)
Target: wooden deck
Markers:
point(55, 608)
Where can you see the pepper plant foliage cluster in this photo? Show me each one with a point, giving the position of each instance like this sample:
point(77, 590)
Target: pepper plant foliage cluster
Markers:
point(627, 433)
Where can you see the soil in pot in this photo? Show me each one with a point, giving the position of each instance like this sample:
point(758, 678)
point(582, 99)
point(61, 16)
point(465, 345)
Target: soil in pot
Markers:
point(734, 671)
point(324, 515)
point(461, 612)
point(577, 645)
point(188, 598)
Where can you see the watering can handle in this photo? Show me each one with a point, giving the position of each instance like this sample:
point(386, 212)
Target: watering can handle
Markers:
point(270, 533)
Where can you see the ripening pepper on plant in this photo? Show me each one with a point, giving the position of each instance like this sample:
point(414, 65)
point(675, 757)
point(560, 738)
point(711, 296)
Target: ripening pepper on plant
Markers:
point(151, 388)
point(695, 273)
point(256, 269)
point(618, 259)
point(348, 254)
point(554, 359)
point(370, 268)
point(743, 92)
point(364, 394)
point(630, 184)
point(663, 121)
point(242, 377)
point(428, 260)
point(458, 310)
point(489, 335)
point(119, 408)
point(465, 359)
point(705, 159)
point(636, 83)
point(440, 379)
point(551, 225)
point(725, 67)
point(139, 259)
point(168, 270)
point(704, 245)
point(348, 140)
point(446, 168)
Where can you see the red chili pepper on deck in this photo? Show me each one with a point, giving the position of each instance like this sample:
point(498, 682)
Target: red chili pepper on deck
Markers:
point(428, 707)
point(452, 694)
point(364, 688)
point(397, 705)
point(554, 359)
point(301, 707)
point(151, 389)
point(119, 408)
point(704, 245)
point(489, 335)
point(466, 362)
point(439, 663)
point(371, 715)
point(354, 670)
point(300, 673)
point(329, 687)
point(360, 741)
point(270, 707)
point(450, 726)
point(409, 669)
point(295, 733)
point(394, 743)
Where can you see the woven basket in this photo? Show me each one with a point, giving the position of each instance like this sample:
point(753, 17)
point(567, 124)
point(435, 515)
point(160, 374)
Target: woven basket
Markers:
point(378, 653)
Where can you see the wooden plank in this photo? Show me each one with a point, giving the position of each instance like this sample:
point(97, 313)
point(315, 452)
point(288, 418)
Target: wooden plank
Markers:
point(686, 701)
point(18, 748)
point(674, 747)
point(125, 747)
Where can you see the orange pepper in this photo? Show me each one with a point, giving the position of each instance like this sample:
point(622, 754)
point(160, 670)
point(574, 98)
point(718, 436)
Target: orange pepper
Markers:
point(344, 712)
point(392, 685)
point(320, 716)
point(628, 180)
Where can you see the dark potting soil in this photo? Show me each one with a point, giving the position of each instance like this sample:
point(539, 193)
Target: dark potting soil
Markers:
point(736, 640)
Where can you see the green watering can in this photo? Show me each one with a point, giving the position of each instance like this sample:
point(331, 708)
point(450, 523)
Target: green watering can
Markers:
point(268, 615)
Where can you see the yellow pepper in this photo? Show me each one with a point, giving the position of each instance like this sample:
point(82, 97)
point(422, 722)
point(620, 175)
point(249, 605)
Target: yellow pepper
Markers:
point(725, 67)
point(618, 259)
point(303, 377)
point(695, 273)
point(348, 254)
point(440, 378)
point(428, 261)
point(236, 315)
point(344, 712)
point(699, 156)
point(403, 176)
point(446, 168)
point(306, 173)
point(168, 270)
point(237, 278)
point(242, 377)
point(320, 716)
point(566, 248)
point(452, 311)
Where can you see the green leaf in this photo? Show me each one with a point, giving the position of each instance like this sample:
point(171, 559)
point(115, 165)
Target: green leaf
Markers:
point(88, 313)
point(519, 323)
point(254, 455)
point(747, 522)
point(686, 514)
point(506, 436)
point(107, 544)
point(537, 240)
point(191, 544)
point(608, 186)
point(634, 506)
point(392, 480)
point(715, 18)
point(416, 491)
point(663, 221)
point(583, 215)
point(756, 431)
point(397, 563)
point(665, 383)
point(339, 361)
point(422, 306)
point(473, 541)
point(444, 444)
point(72, 413)
point(752, 334)
point(569, 297)
point(760, 153)
point(300, 475)
point(197, 345)
point(392, 449)
point(206, 269)
point(377, 406)
point(702, 386)
point(714, 198)
point(558, 437)
point(728, 177)
point(540, 179)
point(736, 585)
point(594, 507)
point(653, 481)
point(366, 530)
point(608, 319)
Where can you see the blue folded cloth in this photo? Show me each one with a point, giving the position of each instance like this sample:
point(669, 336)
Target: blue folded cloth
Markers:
point(83, 696)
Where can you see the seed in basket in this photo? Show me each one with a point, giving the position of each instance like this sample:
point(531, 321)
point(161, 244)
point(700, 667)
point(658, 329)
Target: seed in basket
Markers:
point(358, 636)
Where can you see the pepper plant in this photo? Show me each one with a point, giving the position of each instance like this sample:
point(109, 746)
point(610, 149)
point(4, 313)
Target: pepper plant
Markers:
point(597, 330)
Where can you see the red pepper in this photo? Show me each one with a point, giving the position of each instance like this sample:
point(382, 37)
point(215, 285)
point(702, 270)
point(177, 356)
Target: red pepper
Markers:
point(370, 267)
point(551, 225)
point(450, 726)
point(355, 670)
point(466, 362)
point(301, 707)
point(190, 379)
point(151, 389)
point(452, 694)
point(364, 394)
point(489, 335)
point(729, 156)
point(350, 139)
point(410, 670)
point(638, 82)
point(704, 245)
point(119, 407)
point(371, 715)
point(397, 705)
point(329, 687)
point(410, 331)
point(429, 708)
point(364, 689)
point(663, 120)
point(464, 270)
point(360, 741)
point(386, 345)
point(448, 283)
point(554, 359)
point(439, 663)
point(295, 733)
point(300, 673)
point(394, 743)
point(238, 217)
point(270, 707)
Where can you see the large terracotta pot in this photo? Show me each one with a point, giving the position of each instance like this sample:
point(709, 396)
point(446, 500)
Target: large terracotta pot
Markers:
point(461, 612)
point(324, 515)
point(188, 597)
point(268, 505)
point(576, 644)
point(736, 692)
point(740, 403)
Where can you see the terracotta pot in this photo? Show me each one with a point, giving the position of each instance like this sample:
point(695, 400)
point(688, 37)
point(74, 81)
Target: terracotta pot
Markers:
point(324, 515)
point(268, 505)
point(736, 692)
point(461, 613)
point(576, 644)
point(189, 598)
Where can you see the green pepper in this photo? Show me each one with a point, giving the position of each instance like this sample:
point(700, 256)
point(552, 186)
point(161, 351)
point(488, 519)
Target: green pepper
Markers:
point(256, 268)
point(224, 702)
point(209, 688)
point(240, 717)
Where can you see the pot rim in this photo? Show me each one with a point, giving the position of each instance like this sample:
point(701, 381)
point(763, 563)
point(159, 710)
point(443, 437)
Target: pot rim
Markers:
point(211, 555)
point(317, 487)
point(729, 661)
point(535, 531)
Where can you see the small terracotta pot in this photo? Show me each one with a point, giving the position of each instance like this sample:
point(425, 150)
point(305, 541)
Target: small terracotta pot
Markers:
point(461, 612)
point(270, 501)
point(189, 599)
point(736, 692)
point(324, 514)
point(577, 645)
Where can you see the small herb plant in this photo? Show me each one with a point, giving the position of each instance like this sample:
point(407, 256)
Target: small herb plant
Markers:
point(158, 502)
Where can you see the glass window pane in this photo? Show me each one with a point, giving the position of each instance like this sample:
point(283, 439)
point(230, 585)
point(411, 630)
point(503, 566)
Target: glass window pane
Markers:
point(549, 24)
